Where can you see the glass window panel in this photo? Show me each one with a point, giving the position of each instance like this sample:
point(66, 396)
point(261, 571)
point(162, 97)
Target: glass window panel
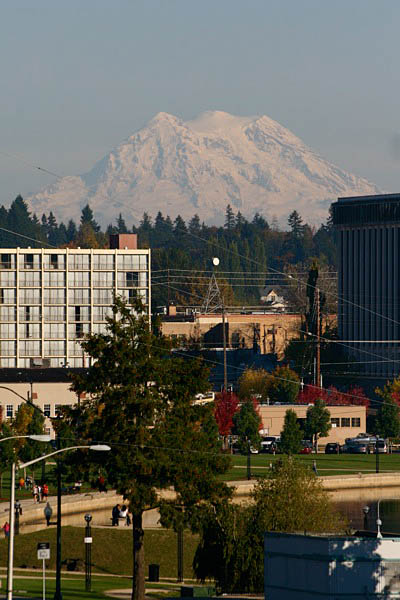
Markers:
point(54, 348)
point(79, 261)
point(7, 348)
point(54, 279)
point(345, 421)
point(54, 296)
point(128, 261)
point(54, 261)
point(79, 313)
point(7, 313)
point(8, 362)
point(30, 261)
point(7, 261)
point(7, 330)
point(54, 331)
point(143, 261)
point(99, 328)
point(30, 313)
point(355, 422)
point(103, 261)
point(29, 348)
point(103, 296)
point(28, 279)
point(9, 411)
point(46, 410)
point(76, 363)
point(29, 330)
point(29, 296)
point(54, 313)
point(75, 349)
point(7, 279)
point(78, 330)
point(101, 312)
point(79, 296)
point(103, 279)
point(79, 279)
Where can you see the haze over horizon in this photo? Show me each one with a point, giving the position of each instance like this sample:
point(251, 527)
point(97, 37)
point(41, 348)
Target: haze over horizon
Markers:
point(79, 78)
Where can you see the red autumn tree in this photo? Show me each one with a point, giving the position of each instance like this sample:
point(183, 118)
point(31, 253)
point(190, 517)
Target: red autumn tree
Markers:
point(226, 406)
point(333, 397)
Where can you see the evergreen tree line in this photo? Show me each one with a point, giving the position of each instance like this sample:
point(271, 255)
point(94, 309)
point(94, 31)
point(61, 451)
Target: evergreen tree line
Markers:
point(246, 249)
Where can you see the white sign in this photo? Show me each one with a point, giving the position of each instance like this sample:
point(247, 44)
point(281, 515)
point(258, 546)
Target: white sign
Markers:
point(43, 554)
point(88, 540)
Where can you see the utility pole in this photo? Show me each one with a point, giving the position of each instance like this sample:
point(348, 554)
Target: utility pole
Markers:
point(224, 344)
point(318, 349)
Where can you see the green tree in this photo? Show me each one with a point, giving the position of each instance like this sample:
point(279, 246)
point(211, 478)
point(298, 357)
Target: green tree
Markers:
point(318, 421)
point(387, 422)
point(121, 225)
point(88, 219)
point(29, 421)
point(230, 220)
point(254, 383)
point(291, 434)
point(247, 423)
point(283, 385)
point(140, 402)
point(231, 548)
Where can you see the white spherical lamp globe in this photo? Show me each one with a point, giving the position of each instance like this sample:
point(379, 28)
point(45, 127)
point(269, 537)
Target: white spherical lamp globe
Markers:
point(215, 261)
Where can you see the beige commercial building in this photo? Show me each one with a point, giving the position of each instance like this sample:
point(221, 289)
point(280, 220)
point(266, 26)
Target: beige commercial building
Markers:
point(48, 396)
point(346, 421)
point(271, 331)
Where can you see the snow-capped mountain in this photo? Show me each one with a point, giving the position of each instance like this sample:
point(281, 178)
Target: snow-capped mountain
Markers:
point(200, 166)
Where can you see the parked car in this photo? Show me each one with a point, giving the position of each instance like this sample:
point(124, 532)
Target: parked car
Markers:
point(307, 448)
point(332, 448)
point(268, 444)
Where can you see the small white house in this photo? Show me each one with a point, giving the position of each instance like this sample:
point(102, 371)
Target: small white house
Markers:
point(273, 299)
point(302, 567)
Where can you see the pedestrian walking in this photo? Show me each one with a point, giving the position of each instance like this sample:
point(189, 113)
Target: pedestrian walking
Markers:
point(45, 492)
point(39, 489)
point(21, 483)
point(6, 528)
point(115, 515)
point(35, 493)
point(48, 511)
point(314, 467)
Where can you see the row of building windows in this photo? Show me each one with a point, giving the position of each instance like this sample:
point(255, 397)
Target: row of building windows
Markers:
point(75, 261)
point(11, 410)
point(75, 279)
point(77, 296)
point(57, 362)
point(346, 422)
point(33, 348)
point(53, 313)
point(52, 331)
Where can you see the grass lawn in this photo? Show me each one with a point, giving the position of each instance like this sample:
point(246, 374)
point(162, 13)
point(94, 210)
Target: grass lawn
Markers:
point(72, 587)
point(327, 464)
point(111, 550)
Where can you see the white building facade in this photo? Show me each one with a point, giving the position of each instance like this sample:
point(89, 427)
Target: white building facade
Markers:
point(301, 567)
point(49, 300)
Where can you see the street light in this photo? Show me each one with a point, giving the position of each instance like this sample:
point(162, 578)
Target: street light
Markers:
point(14, 467)
point(366, 511)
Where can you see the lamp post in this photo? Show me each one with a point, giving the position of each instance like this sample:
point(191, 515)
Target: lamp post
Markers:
point(376, 455)
point(88, 554)
point(14, 467)
point(366, 511)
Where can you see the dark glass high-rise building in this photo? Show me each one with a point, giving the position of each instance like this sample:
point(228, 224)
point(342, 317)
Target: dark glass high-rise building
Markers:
point(368, 235)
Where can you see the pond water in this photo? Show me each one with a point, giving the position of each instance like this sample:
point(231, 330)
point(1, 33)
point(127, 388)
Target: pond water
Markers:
point(351, 504)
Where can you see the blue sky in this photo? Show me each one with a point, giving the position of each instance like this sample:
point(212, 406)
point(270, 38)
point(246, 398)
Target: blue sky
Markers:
point(77, 77)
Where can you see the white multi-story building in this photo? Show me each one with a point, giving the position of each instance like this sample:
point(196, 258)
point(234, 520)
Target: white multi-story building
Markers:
point(49, 299)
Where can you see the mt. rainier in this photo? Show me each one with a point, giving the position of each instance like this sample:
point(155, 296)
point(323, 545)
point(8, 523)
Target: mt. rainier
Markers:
point(200, 166)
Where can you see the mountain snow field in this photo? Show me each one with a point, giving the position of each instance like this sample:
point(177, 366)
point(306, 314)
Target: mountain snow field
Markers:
point(199, 166)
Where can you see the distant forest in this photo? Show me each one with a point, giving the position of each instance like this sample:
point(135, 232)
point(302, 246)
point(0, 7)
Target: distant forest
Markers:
point(251, 253)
